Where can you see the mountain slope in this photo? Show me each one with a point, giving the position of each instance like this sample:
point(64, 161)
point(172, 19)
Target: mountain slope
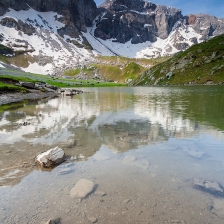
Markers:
point(200, 64)
point(143, 29)
point(52, 40)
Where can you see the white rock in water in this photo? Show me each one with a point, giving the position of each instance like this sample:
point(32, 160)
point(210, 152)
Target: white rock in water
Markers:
point(82, 189)
point(51, 157)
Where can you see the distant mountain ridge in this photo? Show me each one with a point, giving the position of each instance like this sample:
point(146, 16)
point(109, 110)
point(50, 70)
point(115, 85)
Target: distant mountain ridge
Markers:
point(57, 35)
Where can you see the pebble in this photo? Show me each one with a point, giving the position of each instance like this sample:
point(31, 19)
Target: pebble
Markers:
point(126, 201)
point(67, 211)
point(66, 171)
point(71, 143)
point(92, 219)
point(100, 193)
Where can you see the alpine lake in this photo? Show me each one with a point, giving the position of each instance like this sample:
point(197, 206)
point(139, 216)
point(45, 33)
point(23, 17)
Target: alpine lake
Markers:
point(155, 154)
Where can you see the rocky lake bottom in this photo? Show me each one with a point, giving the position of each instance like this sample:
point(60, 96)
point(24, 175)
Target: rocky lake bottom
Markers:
point(134, 155)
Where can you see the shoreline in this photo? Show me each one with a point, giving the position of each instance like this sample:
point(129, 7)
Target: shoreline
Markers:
point(8, 98)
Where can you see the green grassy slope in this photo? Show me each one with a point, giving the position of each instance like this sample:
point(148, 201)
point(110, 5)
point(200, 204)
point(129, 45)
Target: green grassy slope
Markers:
point(119, 69)
point(9, 78)
point(200, 64)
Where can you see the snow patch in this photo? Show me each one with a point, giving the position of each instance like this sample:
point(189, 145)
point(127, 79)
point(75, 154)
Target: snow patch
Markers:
point(45, 20)
point(1, 65)
point(51, 52)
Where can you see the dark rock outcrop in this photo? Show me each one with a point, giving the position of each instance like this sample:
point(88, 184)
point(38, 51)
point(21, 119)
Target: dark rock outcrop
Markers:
point(20, 26)
point(80, 13)
point(138, 21)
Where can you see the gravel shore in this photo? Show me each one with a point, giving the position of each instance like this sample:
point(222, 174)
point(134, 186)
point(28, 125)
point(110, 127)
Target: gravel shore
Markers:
point(7, 98)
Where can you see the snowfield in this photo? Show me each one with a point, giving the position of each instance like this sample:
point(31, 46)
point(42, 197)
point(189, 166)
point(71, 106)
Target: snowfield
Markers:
point(52, 52)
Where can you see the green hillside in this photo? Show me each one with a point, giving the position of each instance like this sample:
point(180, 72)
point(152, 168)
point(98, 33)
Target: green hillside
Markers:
point(118, 69)
point(200, 64)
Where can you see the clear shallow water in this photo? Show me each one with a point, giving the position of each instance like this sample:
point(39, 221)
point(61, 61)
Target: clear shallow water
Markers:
point(175, 135)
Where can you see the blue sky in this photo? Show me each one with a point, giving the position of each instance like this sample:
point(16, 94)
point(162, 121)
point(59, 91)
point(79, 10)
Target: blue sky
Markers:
point(215, 7)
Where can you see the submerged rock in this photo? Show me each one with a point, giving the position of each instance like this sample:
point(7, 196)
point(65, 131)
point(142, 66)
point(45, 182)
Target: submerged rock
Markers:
point(51, 158)
point(100, 193)
point(66, 171)
point(92, 219)
point(133, 161)
point(82, 189)
point(218, 207)
point(128, 160)
point(53, 221)
point(100, 157)
point(209, 186)
point(195, 153)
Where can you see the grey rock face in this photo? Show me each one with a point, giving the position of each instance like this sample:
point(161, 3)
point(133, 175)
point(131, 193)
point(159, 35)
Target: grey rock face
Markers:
point(166, 17)
point(80, 13)
point(206, 25)
point(25, 28)
point(181, 46)
point(137, 21)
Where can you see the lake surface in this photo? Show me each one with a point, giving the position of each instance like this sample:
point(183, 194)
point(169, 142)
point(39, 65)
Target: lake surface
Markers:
point(142, 146)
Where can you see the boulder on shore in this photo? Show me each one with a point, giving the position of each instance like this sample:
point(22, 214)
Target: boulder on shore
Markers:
point(51, 158)
point(28, 85)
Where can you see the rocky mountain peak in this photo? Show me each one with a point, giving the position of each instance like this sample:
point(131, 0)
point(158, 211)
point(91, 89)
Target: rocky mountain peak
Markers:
point(138, 5)
point(135, 20)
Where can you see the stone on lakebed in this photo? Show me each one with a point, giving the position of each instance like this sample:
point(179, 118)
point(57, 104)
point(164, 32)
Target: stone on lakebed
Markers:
point(82, 189)
point(211, 187)
point(133, 161)
point(51, 158)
